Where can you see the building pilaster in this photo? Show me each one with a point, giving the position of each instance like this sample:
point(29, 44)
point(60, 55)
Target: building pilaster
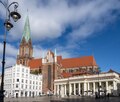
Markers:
point(94, 88)
point(85, 89)
point(107, 87)
point(79, 88)
point(74, 88)
point(70, 89)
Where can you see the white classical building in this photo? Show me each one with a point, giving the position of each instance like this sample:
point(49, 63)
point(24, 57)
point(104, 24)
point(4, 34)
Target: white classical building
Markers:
point(19, 82)
point(88, 84)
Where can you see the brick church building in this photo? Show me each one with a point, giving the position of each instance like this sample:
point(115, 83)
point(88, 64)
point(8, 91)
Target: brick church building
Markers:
point(52, 66)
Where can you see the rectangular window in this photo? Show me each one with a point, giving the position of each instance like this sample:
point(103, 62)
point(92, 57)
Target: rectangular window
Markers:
point(13, 80)
point(17, 80)
point(18, 70)
point(26, 70)
point(22, 80)
point(40, 83)
point(22, 69)
point(22, 86)
point(16, 85)
point(18, 74)
point(22, 75)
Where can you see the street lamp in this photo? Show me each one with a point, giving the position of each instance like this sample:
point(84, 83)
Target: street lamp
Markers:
point(8, 25)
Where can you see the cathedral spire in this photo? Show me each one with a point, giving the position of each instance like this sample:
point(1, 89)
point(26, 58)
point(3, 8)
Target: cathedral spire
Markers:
point(25, 50)
point(26, 33)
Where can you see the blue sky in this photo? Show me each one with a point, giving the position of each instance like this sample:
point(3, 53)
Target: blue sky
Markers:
point(73, 27)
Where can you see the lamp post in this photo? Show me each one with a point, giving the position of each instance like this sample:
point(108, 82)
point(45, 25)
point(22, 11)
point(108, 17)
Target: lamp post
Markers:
point(8, 25)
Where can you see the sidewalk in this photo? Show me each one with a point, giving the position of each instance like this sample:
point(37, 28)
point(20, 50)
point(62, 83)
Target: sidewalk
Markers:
point(59, 99)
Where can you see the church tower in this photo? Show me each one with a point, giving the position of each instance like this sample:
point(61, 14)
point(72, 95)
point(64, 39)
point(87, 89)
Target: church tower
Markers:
point(50, 70)
point(25, 48)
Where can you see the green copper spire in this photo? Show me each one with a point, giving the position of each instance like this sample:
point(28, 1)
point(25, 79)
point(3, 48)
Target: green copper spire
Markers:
point(26, 32)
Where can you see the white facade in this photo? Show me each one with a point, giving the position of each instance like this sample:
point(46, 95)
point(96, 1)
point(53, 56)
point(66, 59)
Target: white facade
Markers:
point(88, 84)
point(19, 82)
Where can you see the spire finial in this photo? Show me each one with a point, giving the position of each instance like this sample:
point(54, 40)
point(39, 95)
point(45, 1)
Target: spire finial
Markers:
point(27, 12)
point(55, 52)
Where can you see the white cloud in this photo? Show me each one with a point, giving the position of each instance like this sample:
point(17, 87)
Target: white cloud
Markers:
point(98, 15)
point(49, 19)
point(10, 50)
point(64, 54)
point(10, 54)
point(10, 61)
point(39, 52)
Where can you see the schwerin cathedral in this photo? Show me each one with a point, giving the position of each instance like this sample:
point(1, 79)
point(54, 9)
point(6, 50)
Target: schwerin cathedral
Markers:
point(69, 76)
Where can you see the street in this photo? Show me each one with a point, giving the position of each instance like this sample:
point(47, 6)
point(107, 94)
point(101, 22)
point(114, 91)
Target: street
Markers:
point(58, 99)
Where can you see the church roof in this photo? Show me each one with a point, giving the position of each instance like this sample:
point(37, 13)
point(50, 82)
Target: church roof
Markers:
point(78, 62)
point(26, 32)
point(67, 63)
point(35, 63)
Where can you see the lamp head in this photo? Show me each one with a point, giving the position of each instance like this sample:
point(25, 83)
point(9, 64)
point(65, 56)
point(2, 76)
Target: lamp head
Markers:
point(8, 25)
point(15, 15)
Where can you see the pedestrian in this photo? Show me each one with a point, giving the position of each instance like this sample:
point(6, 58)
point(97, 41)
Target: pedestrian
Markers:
point(108, 95)
point(96, 97)
point(48, 93)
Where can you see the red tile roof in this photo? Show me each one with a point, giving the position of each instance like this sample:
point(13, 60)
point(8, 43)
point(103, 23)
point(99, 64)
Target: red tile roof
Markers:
point(67, 63)
point(66, 75)
point(78, 62)
point(35, 63)
point(59, 59)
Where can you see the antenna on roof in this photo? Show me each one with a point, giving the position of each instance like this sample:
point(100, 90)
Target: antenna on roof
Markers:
point(27, 11)
point(18, 52)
